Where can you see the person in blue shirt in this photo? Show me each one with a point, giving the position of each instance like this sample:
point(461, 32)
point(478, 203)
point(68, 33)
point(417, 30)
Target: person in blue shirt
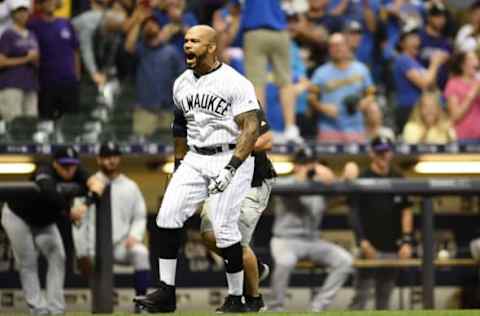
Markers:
point(344, 90)
point(265, 41)
point(432, 39)
point(159, 64)
point(410, 77)
point(174, 21)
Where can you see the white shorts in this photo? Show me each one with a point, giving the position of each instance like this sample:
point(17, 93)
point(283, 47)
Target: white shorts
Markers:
point(188, 189)
point(251, 209)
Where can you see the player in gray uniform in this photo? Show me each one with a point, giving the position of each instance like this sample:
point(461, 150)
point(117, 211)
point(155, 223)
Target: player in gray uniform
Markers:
point(129, 220)
point(251, 209)
point(296, 236)
point(215, 129)
point(31, 227)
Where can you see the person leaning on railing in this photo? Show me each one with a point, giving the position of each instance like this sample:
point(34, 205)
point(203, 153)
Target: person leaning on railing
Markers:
point(383, 227)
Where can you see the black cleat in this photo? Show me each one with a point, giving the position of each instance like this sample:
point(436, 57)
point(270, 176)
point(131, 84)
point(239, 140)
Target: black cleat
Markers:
point(254, 304)
point(232, 304)
point(163, 300)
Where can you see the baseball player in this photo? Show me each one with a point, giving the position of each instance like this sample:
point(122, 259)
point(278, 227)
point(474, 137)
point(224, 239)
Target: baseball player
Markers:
point(30, 226)
point(251, 209)
point(296, 237)
point(215, 129)
point(129, 219)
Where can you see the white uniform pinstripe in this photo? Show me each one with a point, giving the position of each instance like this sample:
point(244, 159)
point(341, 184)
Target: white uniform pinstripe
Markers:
point(209, 104)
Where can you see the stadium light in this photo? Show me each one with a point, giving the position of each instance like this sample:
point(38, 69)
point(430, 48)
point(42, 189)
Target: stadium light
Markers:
point(448, 167)
point(17, 167)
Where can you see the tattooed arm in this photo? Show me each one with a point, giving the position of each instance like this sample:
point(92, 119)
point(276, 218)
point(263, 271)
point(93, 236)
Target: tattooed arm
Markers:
point(250, 129)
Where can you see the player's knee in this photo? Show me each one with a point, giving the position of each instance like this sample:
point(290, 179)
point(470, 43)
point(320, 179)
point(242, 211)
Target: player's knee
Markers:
point(166, 219)
point(286, 260)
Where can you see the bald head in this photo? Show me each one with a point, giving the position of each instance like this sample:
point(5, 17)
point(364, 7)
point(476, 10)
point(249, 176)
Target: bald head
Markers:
point(338, 48)
point(204, 33)
point(200, 48)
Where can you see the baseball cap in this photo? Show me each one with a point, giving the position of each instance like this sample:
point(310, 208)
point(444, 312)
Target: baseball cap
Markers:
point(109, 149)
point(66, 155)
point(475, 5)
point(304, 155)
point(436, 8)
point(353, 27)
point(381, 144)
point(17, 4)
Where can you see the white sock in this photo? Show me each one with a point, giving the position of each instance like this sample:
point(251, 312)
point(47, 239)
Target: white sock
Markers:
point(167, 270)
point(235, 283)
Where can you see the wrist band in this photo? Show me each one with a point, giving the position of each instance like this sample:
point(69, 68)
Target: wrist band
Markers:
point(235, 162)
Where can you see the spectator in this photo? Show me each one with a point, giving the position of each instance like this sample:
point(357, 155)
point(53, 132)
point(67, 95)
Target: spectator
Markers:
point(158, 66)
point(30, 226)
point(296, 236)
point(129, 219)
point(428, 123)
point(432, 39)
point(462, 93)
point(59, 70)
point(383, 227)
point(5, 19)
point(410, 76)
point(174, 21)
point(450, 27)
point(467, 38)
point(346, 89)
point(312, 29)
point(18, 61)
point(86, 25)
point(374, 123)
point(266, 40)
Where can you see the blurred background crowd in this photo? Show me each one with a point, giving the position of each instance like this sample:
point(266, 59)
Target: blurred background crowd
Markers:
point(324, 70)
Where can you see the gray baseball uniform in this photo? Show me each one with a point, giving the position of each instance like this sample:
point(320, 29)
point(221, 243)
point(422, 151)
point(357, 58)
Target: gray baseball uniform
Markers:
point(129, 218)
point(296, 237)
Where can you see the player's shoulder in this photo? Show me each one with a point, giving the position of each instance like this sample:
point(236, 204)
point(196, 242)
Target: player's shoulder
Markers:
point(128, 182)
point(232, 74)
point(182, 79)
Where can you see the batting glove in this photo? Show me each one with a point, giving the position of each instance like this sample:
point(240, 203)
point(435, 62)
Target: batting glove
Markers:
point(220, 182)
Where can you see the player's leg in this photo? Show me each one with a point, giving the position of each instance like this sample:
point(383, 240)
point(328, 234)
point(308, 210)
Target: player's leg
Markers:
point(363, 283)
point(186, 190)
point(225, 215)
point(49, 242)
point(26, 257)
point(339, 263)
point(384, 285)
point(285, 255)
point(138, 257)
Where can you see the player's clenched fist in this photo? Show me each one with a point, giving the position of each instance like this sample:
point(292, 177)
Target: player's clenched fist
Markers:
point(220, 182)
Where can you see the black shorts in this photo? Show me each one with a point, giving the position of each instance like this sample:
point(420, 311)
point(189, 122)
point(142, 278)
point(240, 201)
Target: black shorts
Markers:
point(56, 99)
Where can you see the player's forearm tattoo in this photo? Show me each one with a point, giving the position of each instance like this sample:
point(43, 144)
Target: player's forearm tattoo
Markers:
point(180, 144)
point(249, 125)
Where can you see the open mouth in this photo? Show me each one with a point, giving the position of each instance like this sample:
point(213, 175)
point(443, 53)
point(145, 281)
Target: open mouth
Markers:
point(190, 57)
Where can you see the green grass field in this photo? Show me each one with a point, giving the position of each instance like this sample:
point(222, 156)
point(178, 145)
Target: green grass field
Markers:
point(329, 313)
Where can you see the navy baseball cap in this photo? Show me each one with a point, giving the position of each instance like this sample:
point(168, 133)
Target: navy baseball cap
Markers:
point(303, 156)
point(66, 155)
point(381, 144)
point(436, 9)
point(109, 149)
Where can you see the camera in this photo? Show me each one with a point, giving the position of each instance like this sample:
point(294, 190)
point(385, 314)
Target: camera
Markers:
point(351, 102)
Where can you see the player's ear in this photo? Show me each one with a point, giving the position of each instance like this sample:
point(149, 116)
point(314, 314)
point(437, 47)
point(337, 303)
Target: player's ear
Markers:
point(212, 47)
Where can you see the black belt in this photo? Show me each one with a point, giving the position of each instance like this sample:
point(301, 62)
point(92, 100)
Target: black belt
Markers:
point(212, 150)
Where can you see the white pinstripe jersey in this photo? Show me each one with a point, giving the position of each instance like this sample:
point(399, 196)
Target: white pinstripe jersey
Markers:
point(210, 103)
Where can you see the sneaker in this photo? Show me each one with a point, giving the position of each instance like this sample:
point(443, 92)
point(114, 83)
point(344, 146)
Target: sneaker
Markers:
point(263, 272)
point(292, 134)
point(232, 304)
point(163, 300)
point(254, 304)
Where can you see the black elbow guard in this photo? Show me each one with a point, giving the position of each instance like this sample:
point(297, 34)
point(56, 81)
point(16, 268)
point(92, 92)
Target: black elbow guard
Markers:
point(179, 125)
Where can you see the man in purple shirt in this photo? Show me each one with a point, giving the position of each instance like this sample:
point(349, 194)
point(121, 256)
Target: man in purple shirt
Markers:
point(18, 65)
point(59, 69)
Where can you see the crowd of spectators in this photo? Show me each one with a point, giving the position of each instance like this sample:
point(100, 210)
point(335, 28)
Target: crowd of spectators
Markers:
point(324, 70)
